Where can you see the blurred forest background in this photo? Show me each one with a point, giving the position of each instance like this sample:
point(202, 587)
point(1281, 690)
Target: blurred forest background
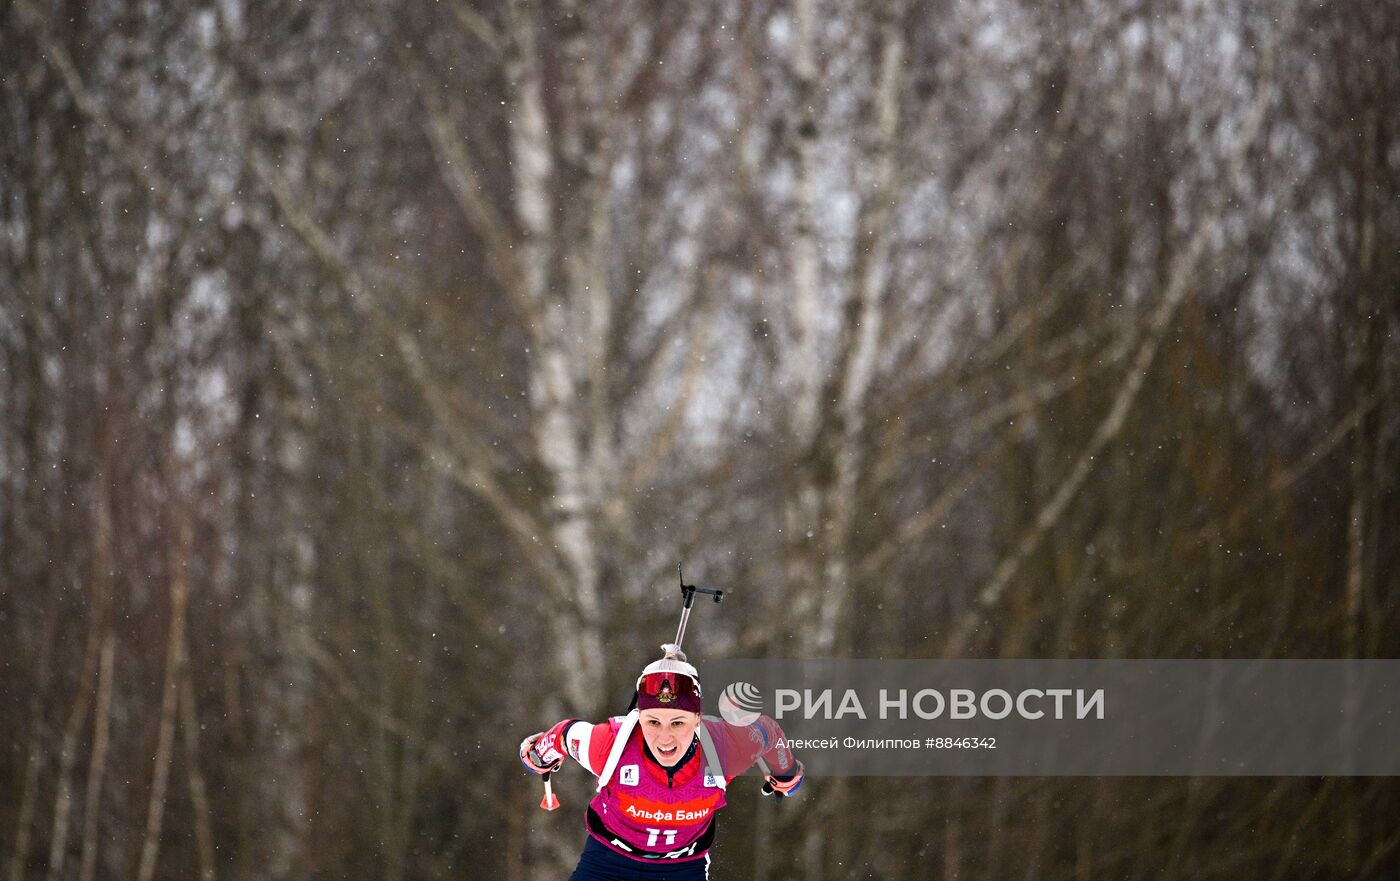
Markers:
point(366, 368)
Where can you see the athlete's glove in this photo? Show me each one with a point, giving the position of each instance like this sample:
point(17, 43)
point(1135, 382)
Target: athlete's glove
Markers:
point(539, 753)
point(784, 786)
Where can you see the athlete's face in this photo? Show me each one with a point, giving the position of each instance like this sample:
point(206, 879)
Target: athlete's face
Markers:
point(668, 733)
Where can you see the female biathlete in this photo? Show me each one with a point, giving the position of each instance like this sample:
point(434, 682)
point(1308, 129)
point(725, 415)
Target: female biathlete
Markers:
point(662, 771)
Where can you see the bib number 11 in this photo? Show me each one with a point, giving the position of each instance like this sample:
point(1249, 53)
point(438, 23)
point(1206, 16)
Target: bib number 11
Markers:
point(653, 833)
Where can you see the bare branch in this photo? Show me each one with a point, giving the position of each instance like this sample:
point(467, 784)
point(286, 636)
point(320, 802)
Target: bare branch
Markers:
point(137, 159)
point(476, 24)
point(1180, 283)
point(368, 708)
point(663, 440)
point(471, 460)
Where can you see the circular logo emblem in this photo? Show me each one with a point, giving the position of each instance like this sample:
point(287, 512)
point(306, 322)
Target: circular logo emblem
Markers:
point(740, 704)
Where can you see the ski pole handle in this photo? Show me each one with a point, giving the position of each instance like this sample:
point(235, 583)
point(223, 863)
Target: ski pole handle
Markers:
point(550, 802)
point(536, 762)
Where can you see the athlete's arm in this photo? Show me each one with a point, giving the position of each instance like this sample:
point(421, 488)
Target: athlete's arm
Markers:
point(586, 742)
point(784, 770)
point(773, 749)
point(741, 746)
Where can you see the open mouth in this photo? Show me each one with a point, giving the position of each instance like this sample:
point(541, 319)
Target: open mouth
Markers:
point(668, 752)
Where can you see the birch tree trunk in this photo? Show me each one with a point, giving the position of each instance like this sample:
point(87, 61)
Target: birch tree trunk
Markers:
point(803, 365)
point(830, 396)
point(553, 386)
point(862, 333)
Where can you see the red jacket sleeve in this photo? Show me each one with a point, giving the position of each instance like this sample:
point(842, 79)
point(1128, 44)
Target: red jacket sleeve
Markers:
point(588, 743)
point(775, 752)
point(740, 747)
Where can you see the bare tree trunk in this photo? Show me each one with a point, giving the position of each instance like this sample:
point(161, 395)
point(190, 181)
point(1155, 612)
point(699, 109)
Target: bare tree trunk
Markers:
point(553, 385)
point(98, 768)
point(589, 146)
point(805, 364)
point(174, 660)
point(77, 719)
point(1364, 373)
point(36, 563)
point(1356, 547)
point(863, 330)
point(1039, 833)
point(952, 833)
point(34, 756)
point(34, 760)
point(199, 793)
point(63, 799)
point(801, 366)
point(997, 840)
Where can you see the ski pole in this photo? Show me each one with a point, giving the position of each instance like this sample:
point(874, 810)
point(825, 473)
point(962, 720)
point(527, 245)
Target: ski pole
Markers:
point(688, 591)
point(550, 802)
